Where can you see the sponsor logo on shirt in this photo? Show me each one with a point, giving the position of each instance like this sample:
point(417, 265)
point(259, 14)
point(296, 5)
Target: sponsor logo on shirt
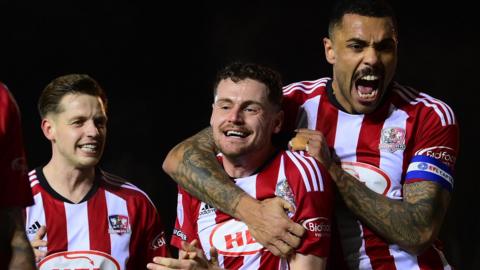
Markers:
point(392, 139)
point(206, 210)
point(119, 224)
point(159, 241)
point(232, 238)
point(443, 153)
point(180, 234)
point(79, 260)
point(373, 177)
point(34, 228)
point(320, 226)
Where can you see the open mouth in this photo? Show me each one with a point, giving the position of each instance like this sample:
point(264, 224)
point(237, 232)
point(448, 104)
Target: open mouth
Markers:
point(236, 133)
point(90, 147)
point(367, 87)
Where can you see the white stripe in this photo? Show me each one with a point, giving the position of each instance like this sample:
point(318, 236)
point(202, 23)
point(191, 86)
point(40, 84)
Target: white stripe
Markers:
point(36, 213)
point(120, 182)
point(78, 236)
point(31, 172)
point(300, 169)
point(365, 263)
point(119, 243)
point(435, 170)
point(448, 111)
point(422, 151)
point(446, 266)
point(32, 177)
point(317, 169)
point(346, 136)
point(180, 209)
point(390, 162)
point(402, 259)
point(310, 170)
point(302, 86)
point(34, 183)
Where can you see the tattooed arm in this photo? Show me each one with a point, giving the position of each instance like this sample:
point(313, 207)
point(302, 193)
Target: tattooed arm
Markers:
point(14, 239)
point(193, 165)
point(413, 223)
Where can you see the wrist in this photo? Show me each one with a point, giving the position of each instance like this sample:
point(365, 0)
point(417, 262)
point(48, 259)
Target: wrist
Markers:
point(246, 208)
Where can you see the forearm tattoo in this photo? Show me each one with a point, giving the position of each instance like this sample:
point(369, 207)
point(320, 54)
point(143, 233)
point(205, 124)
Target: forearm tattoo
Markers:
point(201, 175)
point(22, 253)
point(406, 223)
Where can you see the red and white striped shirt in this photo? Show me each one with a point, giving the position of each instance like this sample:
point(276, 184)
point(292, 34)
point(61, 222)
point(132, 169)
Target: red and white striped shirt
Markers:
point(116, 226)
point(293, 176)
point(410, 137)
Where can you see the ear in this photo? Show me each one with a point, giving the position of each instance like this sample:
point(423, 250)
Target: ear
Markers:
point(211, 116)
point(48, 129)
point(329, 51)
point(278, 122)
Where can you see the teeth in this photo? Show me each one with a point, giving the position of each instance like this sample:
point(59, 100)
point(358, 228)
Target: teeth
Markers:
point(235, 133)
point(89, 147)
point(367, 95)
point(370, 77)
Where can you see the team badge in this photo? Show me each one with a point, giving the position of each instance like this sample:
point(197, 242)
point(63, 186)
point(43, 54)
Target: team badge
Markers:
point(119, 224)
point(392, 139)
point(284, 191)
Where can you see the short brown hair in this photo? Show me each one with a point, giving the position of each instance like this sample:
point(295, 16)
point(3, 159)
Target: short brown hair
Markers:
point(68, 84)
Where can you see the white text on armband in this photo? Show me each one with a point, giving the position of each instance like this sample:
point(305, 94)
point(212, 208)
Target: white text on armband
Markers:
point(430, 169)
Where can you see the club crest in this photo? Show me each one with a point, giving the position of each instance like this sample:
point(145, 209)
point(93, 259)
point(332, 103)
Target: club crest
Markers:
point(119, 224)
point(392, 139)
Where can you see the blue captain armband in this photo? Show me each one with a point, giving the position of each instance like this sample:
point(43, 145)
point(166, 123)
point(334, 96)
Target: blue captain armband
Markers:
point(430, 169)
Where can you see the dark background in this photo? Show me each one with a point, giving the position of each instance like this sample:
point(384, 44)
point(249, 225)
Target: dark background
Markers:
point(157, 63)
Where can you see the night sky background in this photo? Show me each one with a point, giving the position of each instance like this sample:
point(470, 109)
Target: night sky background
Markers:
point(157, 61)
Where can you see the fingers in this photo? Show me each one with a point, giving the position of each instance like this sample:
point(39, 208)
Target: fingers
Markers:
point(213, 256)
point(40, 233)
point(170, 263)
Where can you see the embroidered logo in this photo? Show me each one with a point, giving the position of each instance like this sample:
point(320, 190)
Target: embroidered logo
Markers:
point(119, 224)
point(392, 139)
point(284, 191)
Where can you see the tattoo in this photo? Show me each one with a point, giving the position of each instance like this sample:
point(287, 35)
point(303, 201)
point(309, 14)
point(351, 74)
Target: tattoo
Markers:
point(200, 174)
point(22, 253)
point(412, 222)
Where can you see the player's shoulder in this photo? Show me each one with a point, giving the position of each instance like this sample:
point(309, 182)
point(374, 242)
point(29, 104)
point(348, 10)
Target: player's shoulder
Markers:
point(120, 186)
point(34, 179)
point(306, 87)
point(423, 105)
point(303, 166)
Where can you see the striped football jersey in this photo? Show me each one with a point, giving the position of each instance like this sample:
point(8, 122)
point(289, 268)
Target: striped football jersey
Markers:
point(293, 176)
point(411, 137)
point(115, 227)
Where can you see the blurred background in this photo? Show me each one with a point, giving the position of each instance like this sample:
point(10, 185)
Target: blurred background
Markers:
point(157, 62)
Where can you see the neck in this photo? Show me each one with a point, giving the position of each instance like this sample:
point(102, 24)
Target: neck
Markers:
point(247, 164)
point(71, 183)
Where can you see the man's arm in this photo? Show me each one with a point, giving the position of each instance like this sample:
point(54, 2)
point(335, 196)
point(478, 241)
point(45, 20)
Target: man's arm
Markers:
point(413, 223)
point(305, 262)
point(193, 165)
point(22, 253)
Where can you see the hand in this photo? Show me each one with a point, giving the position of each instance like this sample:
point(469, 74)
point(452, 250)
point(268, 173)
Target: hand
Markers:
point(270, 226)
point(190, 257)
point(315, 144)
point(37, 242)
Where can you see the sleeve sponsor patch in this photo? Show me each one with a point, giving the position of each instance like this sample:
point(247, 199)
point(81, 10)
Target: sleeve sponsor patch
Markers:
point(430, 169)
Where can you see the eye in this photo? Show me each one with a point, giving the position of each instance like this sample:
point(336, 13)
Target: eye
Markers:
point(100, 122)
point(355, 46)
point(252, 109)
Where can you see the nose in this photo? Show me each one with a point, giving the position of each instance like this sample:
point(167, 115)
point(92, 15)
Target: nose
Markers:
point(371, 56)
point(235, 115)
point(91, 129)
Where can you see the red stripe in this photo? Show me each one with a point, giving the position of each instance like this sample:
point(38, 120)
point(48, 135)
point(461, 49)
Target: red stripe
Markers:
point(369, 152)
point(430, 260)
point(268, 261)
point(98, 223)
point(233, 263)
point(56, 223)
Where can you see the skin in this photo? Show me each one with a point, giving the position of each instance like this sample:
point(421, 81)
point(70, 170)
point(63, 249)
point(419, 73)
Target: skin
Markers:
point(13, 234)
point(358, 46)
point(244, 107)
